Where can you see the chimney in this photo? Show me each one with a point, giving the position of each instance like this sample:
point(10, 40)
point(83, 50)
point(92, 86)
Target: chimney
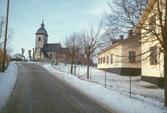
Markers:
point(130, 33)
point(121, 37)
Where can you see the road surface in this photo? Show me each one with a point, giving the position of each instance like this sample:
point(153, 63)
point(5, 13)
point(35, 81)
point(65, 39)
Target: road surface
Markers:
point(37, 91)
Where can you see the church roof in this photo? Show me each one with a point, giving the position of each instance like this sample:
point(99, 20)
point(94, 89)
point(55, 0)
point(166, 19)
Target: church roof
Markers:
point(64, 51)
point(52, 47)
point(42, 30)
point(67, 51)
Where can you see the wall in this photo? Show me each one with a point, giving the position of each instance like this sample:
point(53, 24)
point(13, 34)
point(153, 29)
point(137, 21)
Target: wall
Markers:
point(120, 53)
point(116, 51)
point(131, 45)
point(148, 41)
point(39, 44)
point(147, 68)
point(151, 73)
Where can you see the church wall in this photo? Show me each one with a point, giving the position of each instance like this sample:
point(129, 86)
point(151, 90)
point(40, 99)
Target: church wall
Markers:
point(41, 39)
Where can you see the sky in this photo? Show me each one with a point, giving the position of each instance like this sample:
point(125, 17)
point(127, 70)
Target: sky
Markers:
point(61, 18)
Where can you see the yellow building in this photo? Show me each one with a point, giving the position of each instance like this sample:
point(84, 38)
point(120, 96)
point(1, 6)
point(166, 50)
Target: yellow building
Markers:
point(122, 57)
point(152, 58)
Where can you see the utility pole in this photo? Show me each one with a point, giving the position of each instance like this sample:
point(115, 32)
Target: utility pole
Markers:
point(6, 35)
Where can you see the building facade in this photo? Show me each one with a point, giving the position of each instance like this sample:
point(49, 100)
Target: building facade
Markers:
point(153, 58)
point(122, 57)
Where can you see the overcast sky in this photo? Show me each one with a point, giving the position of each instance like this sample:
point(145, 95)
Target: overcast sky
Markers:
point(61, 18)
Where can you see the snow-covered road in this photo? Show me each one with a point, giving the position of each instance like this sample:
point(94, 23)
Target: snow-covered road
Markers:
point(37, 91)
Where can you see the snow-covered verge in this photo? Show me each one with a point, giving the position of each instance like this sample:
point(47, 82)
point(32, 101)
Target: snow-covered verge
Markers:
point(7, 82)
point(111, 99)
point(141, 90)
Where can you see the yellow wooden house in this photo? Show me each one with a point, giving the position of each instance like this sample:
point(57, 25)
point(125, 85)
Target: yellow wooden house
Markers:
point(152, 59)
point(122, 57)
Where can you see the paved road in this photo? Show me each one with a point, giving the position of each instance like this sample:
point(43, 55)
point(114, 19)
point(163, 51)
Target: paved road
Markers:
point(37, 91)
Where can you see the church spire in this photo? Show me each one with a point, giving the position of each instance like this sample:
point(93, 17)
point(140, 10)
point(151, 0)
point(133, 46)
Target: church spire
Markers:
point(42, 25)
point(42, 29)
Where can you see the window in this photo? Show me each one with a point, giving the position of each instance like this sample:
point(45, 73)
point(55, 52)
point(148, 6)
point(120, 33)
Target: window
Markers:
point(104, 60)
point(132, 57)
point(107, 59)
point(39, 39)
point(99, 61)
point(152, 22)
point(153, 55)
point(111, 59)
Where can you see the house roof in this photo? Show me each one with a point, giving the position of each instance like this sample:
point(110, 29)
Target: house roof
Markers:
point(121, 42)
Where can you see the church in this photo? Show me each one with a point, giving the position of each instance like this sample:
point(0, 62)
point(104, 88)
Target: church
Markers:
point(45, 51)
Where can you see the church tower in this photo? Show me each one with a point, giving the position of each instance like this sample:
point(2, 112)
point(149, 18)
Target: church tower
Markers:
point(41, 40)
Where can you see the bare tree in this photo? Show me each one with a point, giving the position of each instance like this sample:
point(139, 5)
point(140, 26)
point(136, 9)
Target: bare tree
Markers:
point(149, 16)
point(72, 43)
point(110, 35)
point(33, 52)
point(1, 32)
point(126, 13)
point(90, 42)
point(9, 37)
point(29, 54)
point(22, 53)
point(1, 25)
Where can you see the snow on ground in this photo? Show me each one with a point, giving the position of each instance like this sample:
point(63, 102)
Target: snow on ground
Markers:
point(146, 97)
point(7, 82)
point(140, 89)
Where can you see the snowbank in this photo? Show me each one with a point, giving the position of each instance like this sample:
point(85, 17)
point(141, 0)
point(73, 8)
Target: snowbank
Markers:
point(110, 99)
point(141, 90)
point(7, 82)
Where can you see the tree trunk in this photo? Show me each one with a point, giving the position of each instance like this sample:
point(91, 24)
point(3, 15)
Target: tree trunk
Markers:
point(165, 78)
point(88, 62)
point(71, 64)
